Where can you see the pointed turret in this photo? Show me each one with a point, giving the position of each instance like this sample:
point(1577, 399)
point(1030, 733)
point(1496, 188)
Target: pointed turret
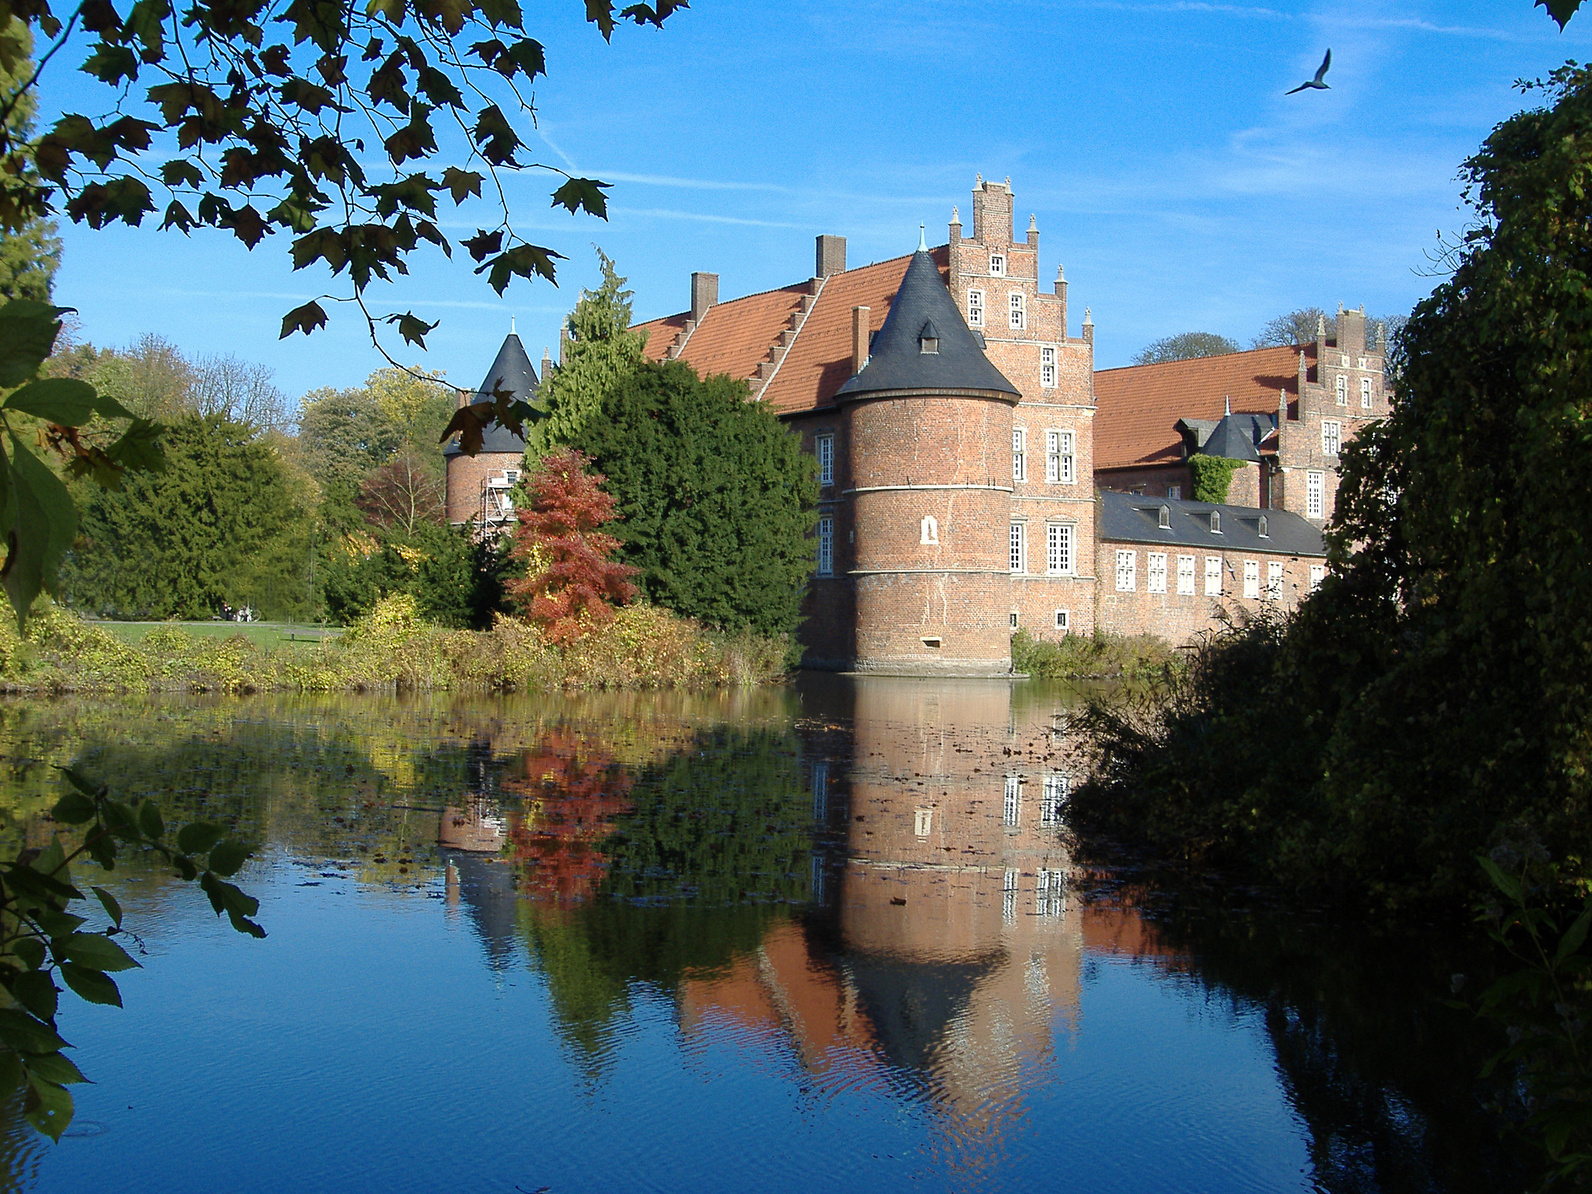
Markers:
point(903, 358)
point(513, 372)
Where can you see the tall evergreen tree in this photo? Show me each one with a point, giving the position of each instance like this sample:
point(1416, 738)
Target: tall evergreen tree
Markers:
point(715, 496)
point(222, 523)
point(599, 352)
point(30, 255)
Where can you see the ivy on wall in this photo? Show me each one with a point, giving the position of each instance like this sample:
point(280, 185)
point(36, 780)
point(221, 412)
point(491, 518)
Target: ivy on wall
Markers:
point(1213, 475)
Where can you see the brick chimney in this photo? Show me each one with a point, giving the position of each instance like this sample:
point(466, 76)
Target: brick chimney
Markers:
point(831, 256)
point(704, 294)
point(860, 332)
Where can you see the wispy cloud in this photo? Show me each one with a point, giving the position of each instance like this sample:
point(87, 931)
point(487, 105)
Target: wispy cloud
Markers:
point(692, 184)
point(664, 213)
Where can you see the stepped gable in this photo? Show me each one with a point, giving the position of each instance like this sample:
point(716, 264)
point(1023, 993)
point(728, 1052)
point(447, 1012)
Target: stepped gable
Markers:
point(1137, 408)
point(511, 370)
point(733, 337)
point(898, 361)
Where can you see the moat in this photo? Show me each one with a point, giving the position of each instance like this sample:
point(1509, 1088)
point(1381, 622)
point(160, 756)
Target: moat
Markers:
point(824, 937)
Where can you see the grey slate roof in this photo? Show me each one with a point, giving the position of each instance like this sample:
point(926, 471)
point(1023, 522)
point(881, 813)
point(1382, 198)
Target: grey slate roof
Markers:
point(897, 361)
point(1134, 518)
point(1237, 437)
point(511, 370)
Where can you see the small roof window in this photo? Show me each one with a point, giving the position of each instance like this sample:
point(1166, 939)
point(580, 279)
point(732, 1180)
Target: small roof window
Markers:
point(1263, 526)
point(1166, 518)
point(1216, 522)
point(929, 338)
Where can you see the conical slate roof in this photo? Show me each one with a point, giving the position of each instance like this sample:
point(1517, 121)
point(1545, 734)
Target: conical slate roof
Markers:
point(511, 370)
point(1234, 438)
point(923, 309)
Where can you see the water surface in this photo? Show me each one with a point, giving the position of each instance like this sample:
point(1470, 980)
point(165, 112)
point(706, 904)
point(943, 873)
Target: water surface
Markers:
point(824, 938)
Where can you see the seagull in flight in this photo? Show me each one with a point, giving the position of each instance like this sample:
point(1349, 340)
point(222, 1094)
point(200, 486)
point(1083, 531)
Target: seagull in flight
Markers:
point(1316, 82)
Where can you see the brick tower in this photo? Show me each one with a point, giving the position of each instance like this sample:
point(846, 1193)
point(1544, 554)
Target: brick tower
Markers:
point(928, 421)
point(478, 486)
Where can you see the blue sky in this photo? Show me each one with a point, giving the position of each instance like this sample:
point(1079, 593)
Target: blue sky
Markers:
point(1169, 173)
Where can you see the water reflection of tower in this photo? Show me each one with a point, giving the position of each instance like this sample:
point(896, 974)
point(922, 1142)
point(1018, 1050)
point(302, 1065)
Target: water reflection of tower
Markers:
point(955, 928)
point(471, 835)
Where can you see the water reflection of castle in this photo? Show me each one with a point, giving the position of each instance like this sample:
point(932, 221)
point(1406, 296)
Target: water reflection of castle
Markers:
point(940, 951)
point(945, 947)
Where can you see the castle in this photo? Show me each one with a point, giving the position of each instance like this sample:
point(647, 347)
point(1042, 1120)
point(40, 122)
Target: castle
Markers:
point(978, 476)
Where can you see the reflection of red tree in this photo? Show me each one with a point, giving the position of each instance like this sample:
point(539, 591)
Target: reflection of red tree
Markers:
point(572, 795)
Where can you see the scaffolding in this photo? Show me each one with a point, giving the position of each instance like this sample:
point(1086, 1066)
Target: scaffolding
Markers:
point(497, 507)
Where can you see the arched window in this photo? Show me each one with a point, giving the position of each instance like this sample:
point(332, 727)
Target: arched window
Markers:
point(1263, 526)
point(1216, 522)
point(1166, 518)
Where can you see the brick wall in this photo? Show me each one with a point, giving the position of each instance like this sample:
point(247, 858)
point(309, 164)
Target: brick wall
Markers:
point(464, 477)
point(1179, 617)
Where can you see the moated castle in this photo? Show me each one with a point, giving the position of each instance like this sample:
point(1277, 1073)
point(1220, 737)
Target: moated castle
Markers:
point(977, 475)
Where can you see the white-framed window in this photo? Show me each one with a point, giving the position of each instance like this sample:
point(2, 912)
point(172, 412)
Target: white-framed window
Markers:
point(1331, 437)
point(1019, 311)
point(1009, 894)
point(1315, 494)
point(1058, 548)
point(931, 530)
point(1019, 547)
point(1155, 572)
point(1175, 492)
point(1185, 576)
point(1318, 573)
point(1343, 390)
point(1213, 576)
point(922, 821)
point(1365, 393)
point(1047, 367)
point(1127, 566)
point(1063, 619)
point(1012, 805)
point(1061, 462)
point(1216, 522)
point(1019, 454)
point(1013, 621)
point(1252, 579)
point(826, 546)
point(1273, 580)
point(824, 445)
point(997, 264)
point(1054, 801)
point(511, 475)
point(975, 308)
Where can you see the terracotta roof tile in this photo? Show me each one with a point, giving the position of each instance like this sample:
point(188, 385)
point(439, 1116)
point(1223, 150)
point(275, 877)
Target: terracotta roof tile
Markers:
point(661, 333)
point(1138, 407)
point(819, 363)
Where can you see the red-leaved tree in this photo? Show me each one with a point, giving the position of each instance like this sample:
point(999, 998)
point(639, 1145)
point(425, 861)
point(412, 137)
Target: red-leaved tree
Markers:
point(572, 584)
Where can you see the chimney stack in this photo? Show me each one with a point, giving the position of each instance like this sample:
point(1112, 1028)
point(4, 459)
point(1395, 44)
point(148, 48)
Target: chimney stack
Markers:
point(704, 294)
point(831, 256)
point(860, 332)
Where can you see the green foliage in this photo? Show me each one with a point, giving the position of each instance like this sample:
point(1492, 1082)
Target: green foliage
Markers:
point(1097, 656)
point(1545, 1003)
point(222, 523)
point(715, 497)
point(456, 580)
point(31, 253)
point(1185, 346)
point(345, 435)
point(42, 939)
point(1213, 476)
point(599, 352)
point(248, 145)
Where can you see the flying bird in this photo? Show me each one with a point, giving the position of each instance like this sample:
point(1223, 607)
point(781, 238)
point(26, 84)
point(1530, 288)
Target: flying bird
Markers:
point(1321, 73)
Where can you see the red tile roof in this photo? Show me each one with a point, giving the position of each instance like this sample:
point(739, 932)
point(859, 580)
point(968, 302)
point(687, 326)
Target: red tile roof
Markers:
point(819, 363)
point(734, 337)
point(1138, 407)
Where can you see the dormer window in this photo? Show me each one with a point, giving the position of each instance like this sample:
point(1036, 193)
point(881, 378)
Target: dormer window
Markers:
point(1263, 526)
point(1166, 518)
point(997, 264)
point(929, 338)
point(1216, 522)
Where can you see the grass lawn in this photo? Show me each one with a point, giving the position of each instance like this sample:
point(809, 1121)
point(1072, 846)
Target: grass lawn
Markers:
point(267, 635)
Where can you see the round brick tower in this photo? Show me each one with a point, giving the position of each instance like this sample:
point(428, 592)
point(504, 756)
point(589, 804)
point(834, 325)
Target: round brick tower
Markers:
point(929, 422)
point(478, 486)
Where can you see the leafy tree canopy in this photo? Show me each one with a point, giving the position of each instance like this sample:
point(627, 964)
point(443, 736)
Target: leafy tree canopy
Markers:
point(343, 435)
point(715, 496)
point(315, 121)
point(31, 253)
point(1184, 347)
